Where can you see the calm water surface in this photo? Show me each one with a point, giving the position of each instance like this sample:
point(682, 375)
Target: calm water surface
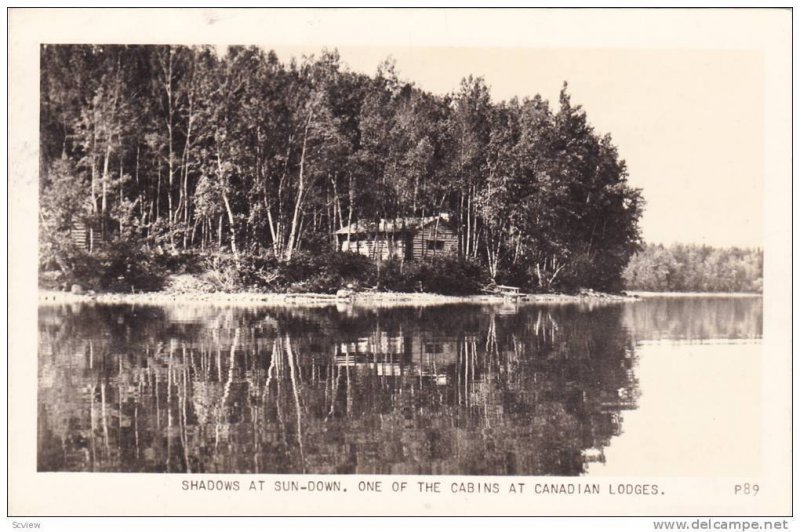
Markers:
point(457, 389)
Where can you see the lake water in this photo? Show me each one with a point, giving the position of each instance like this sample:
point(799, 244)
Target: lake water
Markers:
point(648, 387)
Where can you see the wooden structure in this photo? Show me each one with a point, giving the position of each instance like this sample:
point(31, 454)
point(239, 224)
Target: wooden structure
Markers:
point(87, 237)
point(508, 291)
point(401, 238)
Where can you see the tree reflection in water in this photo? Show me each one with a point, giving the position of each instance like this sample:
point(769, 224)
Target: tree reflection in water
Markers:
point(460, 389)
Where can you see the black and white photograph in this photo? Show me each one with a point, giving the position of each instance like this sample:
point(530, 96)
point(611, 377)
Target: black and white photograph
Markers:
point(320, 268)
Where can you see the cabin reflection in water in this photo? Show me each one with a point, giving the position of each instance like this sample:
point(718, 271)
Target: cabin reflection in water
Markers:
point(420, 356)
point(441, 390)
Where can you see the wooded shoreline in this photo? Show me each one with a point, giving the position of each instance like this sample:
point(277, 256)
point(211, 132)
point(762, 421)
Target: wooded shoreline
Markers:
point(152, 150)
point(257, 175)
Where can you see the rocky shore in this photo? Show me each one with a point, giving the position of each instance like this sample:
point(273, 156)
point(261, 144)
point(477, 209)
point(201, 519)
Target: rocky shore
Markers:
point(366, 298)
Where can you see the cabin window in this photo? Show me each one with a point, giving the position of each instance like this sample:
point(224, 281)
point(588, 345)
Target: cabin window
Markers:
point(435, 245)
point(434, 348)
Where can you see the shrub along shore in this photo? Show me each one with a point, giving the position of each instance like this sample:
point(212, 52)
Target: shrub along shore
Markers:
point(118, 270)
point(222, 278)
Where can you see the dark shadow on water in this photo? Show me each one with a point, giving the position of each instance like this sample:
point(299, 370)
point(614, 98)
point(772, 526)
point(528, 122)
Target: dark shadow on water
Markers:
point(460, 389)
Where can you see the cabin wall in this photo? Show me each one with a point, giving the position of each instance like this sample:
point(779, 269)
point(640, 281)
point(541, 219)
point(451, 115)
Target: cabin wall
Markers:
point(383, 247)
point(433, 241)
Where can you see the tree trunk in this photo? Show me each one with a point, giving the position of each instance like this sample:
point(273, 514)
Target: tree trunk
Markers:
point(276, 245)
point(93, 161)
point(290, 245)
point(469, 223)
point(228, 210)
point(231, 223)
point(462, 248)
point(352, 194)
point(158, 193)
point(219, 234)
point(170, 162)
point(185, 171)
point(104, 184)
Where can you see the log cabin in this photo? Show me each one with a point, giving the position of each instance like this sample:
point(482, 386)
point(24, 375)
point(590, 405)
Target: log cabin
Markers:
point(400, 238)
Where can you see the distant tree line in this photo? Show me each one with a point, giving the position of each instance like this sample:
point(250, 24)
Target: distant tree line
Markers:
point(176, 149)
point(695, 268)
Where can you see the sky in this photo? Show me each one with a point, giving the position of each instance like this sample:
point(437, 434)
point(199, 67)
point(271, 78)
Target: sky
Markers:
point(689, 123)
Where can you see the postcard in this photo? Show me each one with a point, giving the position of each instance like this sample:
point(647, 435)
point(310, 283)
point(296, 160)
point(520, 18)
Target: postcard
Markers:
point(400, 262)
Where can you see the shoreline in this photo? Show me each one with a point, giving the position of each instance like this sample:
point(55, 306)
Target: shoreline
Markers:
point(52, 297)
point(645, 295)
point(359, 299)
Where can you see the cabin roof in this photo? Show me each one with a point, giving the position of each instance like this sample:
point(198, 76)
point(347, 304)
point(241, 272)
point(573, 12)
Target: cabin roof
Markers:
point(396, 225)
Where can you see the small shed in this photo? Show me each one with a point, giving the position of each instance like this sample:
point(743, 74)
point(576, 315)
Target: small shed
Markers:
point(410, 238)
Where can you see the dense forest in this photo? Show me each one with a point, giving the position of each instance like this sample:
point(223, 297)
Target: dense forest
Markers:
point(174, 154)
point(695, 268)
